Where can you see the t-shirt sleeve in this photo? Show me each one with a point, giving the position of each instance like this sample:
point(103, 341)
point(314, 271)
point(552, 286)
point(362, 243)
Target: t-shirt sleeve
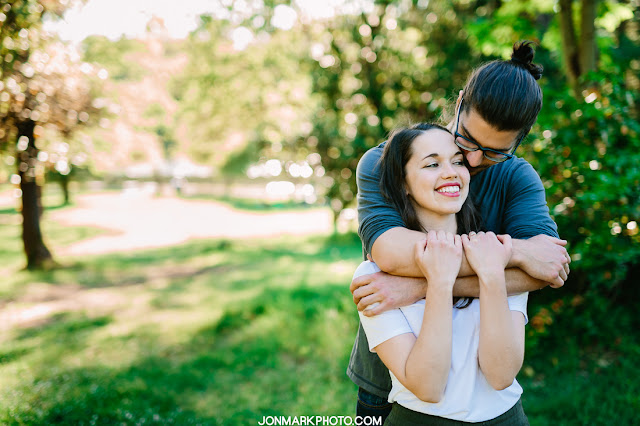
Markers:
point(375, 214)
point(518, 302)
point(385, 326)
point(527, 214)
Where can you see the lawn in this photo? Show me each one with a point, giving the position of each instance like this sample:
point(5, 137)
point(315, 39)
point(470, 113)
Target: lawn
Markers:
point(217, 332)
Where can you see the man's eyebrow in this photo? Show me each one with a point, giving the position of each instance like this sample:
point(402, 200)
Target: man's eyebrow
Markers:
point(472, 139)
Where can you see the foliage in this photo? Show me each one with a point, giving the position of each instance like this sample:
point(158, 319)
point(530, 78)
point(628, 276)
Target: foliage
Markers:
point(114, 56)
point(234, 96)
point(589, 156)
point(371, 76)
point(394, 62)
point(19, 30)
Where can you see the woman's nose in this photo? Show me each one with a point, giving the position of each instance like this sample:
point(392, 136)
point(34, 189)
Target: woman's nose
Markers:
point(449, 171)
point(474, 158)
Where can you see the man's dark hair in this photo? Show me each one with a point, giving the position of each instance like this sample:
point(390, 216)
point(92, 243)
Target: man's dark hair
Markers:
point(506, 93)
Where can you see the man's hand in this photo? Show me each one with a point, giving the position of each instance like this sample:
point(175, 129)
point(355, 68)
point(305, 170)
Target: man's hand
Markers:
point(542, 257)
point(380, 292)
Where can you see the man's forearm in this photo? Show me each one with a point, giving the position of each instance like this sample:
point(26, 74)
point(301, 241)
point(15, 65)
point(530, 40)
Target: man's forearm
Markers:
point(517, 282)
point(393, 253)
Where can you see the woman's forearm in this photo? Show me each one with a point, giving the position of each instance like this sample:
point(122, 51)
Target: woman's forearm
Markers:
point(428, 363)
point(501, 346)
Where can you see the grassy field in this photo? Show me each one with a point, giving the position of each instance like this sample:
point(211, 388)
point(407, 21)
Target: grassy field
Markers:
point(219, 332)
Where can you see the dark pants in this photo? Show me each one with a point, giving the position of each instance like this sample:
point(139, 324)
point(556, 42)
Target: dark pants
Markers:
point(372, 405)
point(403, 416)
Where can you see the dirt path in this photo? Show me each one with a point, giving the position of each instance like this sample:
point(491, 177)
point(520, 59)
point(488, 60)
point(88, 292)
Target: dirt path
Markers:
point(139, 222)
point(142, 221)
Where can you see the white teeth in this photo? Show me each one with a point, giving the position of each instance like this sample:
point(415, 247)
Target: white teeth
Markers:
point(450, 189)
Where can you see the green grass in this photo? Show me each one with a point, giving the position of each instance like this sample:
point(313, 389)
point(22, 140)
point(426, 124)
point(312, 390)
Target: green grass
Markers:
point(254, 204)
point(212, 332)
point(218, 332)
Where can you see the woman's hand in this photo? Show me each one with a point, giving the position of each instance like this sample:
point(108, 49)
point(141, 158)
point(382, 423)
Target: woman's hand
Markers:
point(487, 254)
point(439, 257)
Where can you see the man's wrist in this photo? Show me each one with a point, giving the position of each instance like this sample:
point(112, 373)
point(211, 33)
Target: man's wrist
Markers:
point(517, 253)
point(419, 288)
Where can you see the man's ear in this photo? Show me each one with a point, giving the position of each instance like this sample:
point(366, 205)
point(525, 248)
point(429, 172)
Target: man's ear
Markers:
point(459, 99)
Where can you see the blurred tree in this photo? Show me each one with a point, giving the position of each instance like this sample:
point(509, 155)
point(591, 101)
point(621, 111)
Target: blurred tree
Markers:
point(44, 86)
point(243, 94)
point(386, 67)
point(112, 55)
point(587, 136)
point(163, 128)
point(578, 48)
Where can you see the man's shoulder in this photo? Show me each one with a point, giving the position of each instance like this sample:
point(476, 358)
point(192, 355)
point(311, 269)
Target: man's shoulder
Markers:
point(373, 153)
point(515, 165)
point(370, 159)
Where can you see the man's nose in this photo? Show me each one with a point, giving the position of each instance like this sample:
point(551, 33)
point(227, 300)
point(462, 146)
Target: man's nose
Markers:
point(474, 158)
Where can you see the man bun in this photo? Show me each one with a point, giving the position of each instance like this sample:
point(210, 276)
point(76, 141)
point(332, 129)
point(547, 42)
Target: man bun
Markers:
point(523, 54)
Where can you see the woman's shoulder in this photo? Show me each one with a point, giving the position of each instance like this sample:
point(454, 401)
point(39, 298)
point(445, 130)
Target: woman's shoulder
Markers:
point(366, 268)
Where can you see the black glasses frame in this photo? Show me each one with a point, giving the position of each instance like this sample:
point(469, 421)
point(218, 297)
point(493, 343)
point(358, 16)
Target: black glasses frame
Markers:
point(500, 156)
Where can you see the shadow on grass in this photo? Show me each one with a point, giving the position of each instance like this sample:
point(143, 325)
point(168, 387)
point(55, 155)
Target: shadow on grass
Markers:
point(282, 351)
point(263, 357)
point(13, 210)
point(172, 263)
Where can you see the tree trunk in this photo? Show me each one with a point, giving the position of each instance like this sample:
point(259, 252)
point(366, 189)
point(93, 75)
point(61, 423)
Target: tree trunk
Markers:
point(569, 45)
point(579, 57)
point(588, 48)
point(38, 256)
point(64, 185)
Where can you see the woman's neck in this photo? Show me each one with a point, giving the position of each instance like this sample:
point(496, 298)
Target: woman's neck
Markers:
point(432, 221)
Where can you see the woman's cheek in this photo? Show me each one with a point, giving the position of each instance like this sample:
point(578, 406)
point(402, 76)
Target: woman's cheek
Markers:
point(465, 175)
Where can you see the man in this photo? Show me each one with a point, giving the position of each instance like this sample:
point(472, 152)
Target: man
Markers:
point(495, 111)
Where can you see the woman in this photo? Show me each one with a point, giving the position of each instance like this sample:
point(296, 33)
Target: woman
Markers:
point(451, 361)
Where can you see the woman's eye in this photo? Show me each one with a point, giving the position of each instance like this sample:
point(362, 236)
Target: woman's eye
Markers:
point(459, 163)
point(431, 165)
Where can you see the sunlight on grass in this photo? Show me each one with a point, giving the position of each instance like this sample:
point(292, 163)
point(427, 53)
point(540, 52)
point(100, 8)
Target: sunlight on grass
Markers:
point(125, 332)
point(224, 332)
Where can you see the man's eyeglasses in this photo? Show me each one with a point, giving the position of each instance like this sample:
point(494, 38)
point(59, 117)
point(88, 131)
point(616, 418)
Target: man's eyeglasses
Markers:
point(469, 145)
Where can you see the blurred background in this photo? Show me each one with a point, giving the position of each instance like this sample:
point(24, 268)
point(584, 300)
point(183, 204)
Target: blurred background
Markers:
point(177, 198)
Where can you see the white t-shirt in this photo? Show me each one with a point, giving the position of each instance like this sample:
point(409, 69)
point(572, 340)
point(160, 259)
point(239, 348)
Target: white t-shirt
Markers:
point(468, 396)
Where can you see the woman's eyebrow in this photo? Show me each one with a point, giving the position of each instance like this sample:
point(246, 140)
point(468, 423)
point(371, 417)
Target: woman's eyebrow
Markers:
point(433, 155)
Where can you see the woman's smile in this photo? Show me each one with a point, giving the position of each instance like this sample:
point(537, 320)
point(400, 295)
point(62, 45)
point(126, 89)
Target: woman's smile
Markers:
point(449, 190)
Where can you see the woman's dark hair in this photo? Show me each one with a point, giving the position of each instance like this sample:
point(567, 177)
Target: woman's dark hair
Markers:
point(396, 154)
point(505, 93)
